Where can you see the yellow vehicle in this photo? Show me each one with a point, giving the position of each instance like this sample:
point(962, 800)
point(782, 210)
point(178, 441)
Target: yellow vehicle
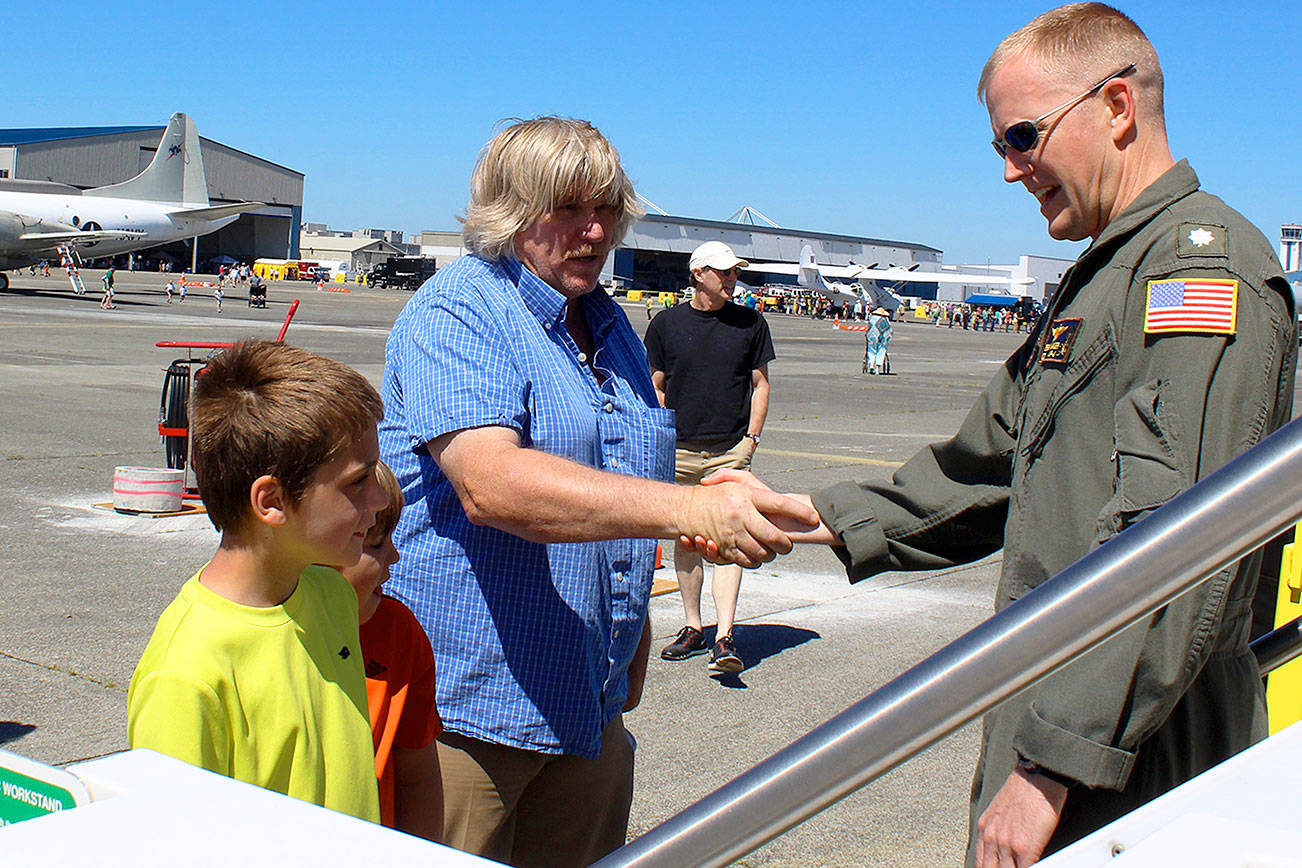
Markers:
point(276, 269)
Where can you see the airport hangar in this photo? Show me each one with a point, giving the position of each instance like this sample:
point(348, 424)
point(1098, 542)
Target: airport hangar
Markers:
point(655, 253)
point(85, 157)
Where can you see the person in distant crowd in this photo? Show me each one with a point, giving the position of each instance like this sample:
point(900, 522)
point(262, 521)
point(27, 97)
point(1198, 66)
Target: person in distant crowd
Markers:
point(170, 289)
point(534, 457)
point(710, 365)
point(876, 341)
point(1169, 348)
point(180, 291)
point(253, 671)
point(217, 294)
point(399, 683)
point(107, 281)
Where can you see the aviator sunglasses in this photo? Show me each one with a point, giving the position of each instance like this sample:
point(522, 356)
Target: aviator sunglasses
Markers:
point(1024, 135)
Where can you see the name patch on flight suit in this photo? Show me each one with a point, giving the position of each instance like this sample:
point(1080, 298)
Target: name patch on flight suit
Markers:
point(1058, 339)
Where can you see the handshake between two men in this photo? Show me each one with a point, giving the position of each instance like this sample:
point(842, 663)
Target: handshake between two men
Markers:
point(747, 523)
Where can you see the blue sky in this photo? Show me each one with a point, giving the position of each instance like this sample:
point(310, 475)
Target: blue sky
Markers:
point(859, 118)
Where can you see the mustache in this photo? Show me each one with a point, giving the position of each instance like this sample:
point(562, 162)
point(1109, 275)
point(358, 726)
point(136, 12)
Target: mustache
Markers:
point(578, 252)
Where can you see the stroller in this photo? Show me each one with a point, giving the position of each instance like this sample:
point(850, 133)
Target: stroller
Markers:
point(257, 294)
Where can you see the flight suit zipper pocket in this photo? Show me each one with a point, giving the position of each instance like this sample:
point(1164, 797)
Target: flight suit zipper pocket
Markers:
point(1077, 376)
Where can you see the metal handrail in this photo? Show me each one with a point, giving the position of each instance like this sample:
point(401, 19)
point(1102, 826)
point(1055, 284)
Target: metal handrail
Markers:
point(1201, 531)
point(1279, 646)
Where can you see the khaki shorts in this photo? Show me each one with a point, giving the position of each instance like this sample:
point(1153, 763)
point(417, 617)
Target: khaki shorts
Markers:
point(693, 465)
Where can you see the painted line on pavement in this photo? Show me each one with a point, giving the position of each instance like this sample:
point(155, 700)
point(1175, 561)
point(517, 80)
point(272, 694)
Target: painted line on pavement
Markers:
point(835, 459)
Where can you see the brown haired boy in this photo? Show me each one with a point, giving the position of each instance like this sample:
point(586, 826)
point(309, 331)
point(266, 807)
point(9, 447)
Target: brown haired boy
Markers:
point(399, 683)
point(254, 670)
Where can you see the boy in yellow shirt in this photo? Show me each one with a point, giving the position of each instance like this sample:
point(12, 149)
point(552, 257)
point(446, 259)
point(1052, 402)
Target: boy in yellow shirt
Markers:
point(255, 669)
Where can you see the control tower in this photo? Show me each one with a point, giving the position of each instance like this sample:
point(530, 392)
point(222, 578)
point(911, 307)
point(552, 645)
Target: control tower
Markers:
point(1290, 246)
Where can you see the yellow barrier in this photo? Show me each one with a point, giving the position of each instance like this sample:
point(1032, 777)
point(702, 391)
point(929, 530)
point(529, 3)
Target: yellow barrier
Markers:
point(1284, 685)
point(635, 295)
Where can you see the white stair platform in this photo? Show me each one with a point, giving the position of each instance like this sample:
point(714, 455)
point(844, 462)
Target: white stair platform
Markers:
point(152, 810)
point(1240, 814)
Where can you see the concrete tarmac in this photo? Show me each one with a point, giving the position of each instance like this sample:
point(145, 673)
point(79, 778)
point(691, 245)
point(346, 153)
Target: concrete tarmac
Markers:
point(81, 586)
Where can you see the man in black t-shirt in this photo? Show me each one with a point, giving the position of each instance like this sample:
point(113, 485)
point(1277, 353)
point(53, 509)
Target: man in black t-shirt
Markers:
point(709, 364)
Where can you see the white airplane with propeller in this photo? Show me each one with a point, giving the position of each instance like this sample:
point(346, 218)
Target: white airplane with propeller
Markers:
point(871, 284)
point(166, 202)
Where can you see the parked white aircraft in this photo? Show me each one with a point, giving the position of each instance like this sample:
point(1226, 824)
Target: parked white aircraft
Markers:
point(166, 202)
point(871, 284)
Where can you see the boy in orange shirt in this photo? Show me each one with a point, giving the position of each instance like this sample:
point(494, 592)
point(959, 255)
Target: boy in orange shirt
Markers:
point(399, 683)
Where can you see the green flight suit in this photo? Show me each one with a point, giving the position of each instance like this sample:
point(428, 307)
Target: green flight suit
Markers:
point(1075, 440)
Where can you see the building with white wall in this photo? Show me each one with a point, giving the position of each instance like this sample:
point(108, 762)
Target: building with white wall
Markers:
point(361, 253)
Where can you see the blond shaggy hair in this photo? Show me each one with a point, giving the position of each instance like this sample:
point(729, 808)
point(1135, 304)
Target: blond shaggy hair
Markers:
point(1078, 44)
point(531, 168)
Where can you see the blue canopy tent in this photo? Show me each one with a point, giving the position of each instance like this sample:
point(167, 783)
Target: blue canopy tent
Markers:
point(992, 300)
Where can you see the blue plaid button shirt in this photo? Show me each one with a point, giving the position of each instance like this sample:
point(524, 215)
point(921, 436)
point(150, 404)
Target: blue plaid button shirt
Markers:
point(532, 642)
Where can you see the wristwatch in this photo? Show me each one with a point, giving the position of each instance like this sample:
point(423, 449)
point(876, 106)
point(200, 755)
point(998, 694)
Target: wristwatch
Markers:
point(754, 438)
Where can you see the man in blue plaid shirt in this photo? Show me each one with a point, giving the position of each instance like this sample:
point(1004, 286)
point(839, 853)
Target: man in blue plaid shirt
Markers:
point(536, 462)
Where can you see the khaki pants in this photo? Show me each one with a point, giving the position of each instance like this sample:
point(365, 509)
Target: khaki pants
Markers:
point(693, 463)
point(534, 809)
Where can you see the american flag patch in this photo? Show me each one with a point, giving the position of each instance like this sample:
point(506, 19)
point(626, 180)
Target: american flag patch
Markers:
point(1193, 305)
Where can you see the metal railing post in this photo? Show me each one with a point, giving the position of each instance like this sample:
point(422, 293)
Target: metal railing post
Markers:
point(1204, 529)
point(1279, 646)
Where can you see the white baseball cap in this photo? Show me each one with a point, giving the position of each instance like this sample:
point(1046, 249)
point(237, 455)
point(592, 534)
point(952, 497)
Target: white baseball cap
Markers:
point(717, 255)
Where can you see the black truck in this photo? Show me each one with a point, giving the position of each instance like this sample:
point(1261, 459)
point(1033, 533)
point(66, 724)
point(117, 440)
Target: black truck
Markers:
point(402, 272)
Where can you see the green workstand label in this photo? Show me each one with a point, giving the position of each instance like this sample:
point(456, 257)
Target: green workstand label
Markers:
point(35, 791)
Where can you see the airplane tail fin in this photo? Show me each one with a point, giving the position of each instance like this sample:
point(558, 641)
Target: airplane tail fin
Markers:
point(808, 274)
point(174, 175)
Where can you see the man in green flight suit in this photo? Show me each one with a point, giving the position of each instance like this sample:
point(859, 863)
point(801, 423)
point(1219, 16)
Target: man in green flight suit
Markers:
point(1168, 349)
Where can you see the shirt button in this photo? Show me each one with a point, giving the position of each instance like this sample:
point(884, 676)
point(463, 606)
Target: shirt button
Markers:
point(608, 407)
point(619, 577)
point(547, 326)
point(583, 357)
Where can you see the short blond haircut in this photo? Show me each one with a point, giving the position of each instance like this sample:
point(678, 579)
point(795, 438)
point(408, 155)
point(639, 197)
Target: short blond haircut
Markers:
point(1078, 44)
point(530, 169)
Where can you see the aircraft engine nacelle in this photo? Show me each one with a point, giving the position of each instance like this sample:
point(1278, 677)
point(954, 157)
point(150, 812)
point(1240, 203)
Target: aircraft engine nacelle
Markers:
point(13, 226)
